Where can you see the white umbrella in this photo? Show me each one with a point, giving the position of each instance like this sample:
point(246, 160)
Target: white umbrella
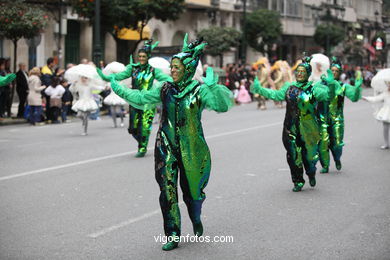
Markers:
point(160, 63)
point(319, 65)
point(378, 82)
point(114, 67)
point(81, 70)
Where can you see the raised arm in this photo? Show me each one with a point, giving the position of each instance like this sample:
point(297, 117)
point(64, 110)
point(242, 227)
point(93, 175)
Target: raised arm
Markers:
point(278, 95)
point(214, 96)
point(121, 75)
point(7, 79)
point(161, 76)
point(140, 99)
point(354, 93)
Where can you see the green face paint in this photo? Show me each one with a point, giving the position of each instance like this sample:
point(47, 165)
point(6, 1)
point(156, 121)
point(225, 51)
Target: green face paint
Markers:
point(301, 74)
point(336, 73)
point(177, 70)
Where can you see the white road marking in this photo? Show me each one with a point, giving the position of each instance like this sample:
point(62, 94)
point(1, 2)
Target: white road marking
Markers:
point(45, 170)
point(126, 223)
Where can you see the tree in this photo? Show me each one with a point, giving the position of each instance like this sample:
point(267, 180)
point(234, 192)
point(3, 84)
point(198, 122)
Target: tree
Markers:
point(134, 14)
point(19, 20)
point(262, 28)
point(328, 35)
point(220, 40)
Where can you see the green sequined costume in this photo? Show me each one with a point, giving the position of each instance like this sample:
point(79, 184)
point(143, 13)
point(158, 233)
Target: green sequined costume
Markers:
point(140, 121)
point(300, 130)
point(181, 148)
point(331, 118)
point(4, 81)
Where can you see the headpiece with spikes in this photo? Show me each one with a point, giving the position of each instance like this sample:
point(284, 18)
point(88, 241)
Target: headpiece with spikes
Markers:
point(336, 63)
point(306, 63)
point(190, 56)
point(148, 47)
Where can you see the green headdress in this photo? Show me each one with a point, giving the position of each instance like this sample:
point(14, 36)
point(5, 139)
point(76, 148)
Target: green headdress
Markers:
point(190, 56)
point(306, 64)
point(336, 63)
point(148, 47)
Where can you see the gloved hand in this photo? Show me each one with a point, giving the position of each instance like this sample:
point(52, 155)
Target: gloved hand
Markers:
point(211, 78)
point(7, 79)
point(330, 78)
point(104, 76)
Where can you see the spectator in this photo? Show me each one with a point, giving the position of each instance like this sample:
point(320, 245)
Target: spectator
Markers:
point(55, 92)
point(67, 99)
point(22, 88)
point(4, 91)
point(47, 74)
point(34, 97)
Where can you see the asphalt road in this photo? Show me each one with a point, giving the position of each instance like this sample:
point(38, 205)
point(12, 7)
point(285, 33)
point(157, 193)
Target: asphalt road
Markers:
point(67, 196)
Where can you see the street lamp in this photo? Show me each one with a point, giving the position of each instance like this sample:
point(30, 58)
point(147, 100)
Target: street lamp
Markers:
point(243, 40)
point(97, 52)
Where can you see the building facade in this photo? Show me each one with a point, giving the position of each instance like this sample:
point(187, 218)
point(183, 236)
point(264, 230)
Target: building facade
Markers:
point(299, 19)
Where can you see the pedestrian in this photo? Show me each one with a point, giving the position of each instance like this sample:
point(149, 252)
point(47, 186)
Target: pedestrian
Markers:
point(34, 98)
point(5, 91)
point(22, 88)
point(383, 115)
point(301, 132)
point(142, 75)
point(55, 92)
point(66, 99)
point(47, 74)
point(181, 147)
point(243, 96)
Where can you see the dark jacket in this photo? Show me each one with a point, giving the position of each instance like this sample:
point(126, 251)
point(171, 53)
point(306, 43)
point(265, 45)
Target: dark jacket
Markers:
point(21, 82)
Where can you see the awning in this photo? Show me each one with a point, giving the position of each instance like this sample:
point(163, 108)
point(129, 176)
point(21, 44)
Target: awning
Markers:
point(133, 35)
point(369, 48)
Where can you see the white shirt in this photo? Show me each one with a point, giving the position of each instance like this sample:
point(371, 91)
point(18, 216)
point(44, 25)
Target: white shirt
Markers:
point(56, 92)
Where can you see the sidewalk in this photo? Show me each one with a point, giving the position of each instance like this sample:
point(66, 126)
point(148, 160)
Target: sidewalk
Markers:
point(13, 120)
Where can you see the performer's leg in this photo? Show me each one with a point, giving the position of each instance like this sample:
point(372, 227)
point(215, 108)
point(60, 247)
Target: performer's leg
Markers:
point(386, 127)
point(194, 176)
point(294, 160)
point(113, 114)
point(336, 142)
point(166, 167)
point(262, 103)
point(121, 114)
point(144, 129)
point(133, 122)
point(85, 122)
point(324, 148)
point(310, 159)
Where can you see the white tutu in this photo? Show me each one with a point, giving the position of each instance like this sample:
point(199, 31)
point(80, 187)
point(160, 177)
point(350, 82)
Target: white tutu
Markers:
point(114, 100)
point(85, 105)
point(383, 114)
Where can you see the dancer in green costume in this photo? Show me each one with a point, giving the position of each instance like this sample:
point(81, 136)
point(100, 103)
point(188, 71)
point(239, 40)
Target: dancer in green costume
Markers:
point(143, 75)
point(181, 148)
point(335, 124)
point(300, 130)
point(4, 81)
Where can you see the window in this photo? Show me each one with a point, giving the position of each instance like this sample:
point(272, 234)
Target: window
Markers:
point(294, 8)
